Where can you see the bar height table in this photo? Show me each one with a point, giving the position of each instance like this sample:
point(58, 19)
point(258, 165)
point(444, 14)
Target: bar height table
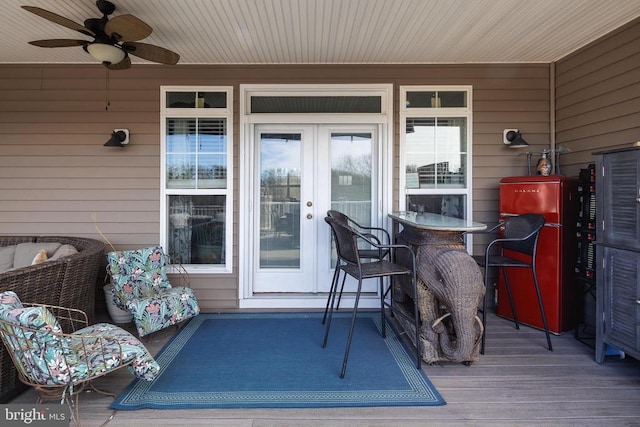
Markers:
point(450, 285)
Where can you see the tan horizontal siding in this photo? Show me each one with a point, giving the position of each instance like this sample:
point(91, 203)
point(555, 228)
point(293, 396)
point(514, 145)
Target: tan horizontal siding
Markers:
point(219, 291)
point(55, 173)
point(77, 205)
point(598, 97)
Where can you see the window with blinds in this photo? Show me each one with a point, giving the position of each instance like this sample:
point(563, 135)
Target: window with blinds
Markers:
point(436, 149)
point(196, 153)
point(196, 188)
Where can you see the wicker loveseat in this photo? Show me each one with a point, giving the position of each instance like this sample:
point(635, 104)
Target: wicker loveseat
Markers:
point(69, 281)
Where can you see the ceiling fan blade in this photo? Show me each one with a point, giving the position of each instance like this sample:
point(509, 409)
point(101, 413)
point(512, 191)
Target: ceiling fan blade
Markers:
point(152, 53)
point(122, 65)
point(127, 28)
point(59, 43)
point(60, 20)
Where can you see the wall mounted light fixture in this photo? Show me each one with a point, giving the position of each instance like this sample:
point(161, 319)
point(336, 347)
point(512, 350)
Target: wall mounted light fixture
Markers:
point(119, 138)
point(513, 139)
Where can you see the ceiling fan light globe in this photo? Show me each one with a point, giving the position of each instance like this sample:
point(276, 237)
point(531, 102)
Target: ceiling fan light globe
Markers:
point(107, 54)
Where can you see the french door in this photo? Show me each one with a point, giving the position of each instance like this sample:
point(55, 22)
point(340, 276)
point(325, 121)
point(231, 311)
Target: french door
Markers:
point(301, 171)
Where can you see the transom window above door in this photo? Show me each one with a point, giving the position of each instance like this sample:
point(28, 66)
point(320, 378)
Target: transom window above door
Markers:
point(316, 104)
point(305, 100)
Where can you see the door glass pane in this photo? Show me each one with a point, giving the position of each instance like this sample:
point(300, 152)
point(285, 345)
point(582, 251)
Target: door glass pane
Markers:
point(436, 152)
point(280, 172)
point(351, 183)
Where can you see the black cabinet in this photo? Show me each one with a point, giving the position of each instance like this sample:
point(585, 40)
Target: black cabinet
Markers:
point(618, 251)
point(585, 330)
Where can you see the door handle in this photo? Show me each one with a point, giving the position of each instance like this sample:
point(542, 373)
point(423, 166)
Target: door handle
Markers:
point(309, 216)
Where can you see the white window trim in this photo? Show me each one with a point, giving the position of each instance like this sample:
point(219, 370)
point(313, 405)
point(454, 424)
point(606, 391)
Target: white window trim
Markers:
point(226, 113)
point(436, 112)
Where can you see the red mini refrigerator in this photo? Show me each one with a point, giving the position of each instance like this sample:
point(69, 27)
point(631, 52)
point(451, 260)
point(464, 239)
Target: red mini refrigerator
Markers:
point(556, 198)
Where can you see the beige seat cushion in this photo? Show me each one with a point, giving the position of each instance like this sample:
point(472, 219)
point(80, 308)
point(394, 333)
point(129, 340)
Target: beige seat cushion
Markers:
point(7, 254)
point(26, 252)
point(62, 251)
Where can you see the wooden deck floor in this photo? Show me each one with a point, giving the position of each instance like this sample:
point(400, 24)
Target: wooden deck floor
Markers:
point(518, 382)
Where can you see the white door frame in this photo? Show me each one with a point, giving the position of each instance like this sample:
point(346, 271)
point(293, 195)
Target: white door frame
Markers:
point(384, 120)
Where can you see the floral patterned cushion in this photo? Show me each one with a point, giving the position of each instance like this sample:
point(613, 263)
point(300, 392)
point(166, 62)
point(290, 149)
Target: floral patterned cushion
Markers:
point(41, 346)
point(46, 356)
point(144, 365)
point(140, 286)
point(9, 300)
point(168, 307)
point(137, 274)
point(12, 310)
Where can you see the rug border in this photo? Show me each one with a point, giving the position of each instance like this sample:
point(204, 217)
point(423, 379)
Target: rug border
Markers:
point(423, 392)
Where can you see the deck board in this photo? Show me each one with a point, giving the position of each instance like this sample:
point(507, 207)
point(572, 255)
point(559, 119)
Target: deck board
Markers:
point(518, 382)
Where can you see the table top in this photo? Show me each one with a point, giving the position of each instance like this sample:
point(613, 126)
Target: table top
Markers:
point(430, 221)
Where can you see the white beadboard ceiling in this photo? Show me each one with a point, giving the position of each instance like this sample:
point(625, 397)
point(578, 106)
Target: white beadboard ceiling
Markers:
point(331, 31)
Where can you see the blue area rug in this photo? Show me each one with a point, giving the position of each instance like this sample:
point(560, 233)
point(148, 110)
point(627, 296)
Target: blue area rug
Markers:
point(275, 360)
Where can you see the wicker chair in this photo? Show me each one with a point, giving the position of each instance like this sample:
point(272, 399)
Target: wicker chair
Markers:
point(61, 365)
point(349, 262)
point(377, 234)
point(78, 288)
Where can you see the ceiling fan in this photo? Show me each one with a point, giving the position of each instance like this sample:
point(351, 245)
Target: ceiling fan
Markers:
point(113, 39)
